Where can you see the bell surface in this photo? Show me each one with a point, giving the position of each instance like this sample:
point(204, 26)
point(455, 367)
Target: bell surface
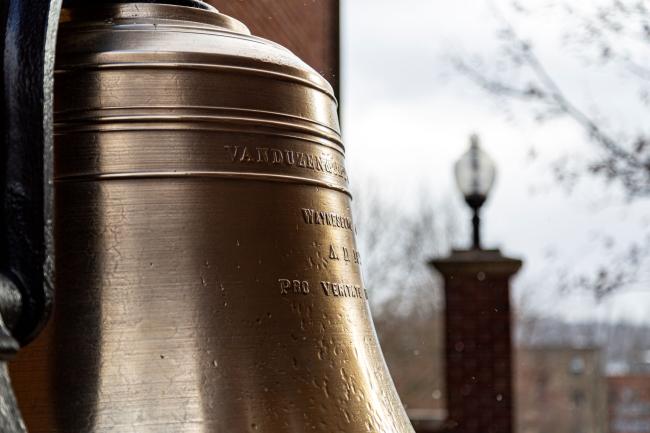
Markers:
point(207, 275)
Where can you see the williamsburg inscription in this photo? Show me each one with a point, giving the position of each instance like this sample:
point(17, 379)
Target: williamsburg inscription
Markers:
point(282, 157)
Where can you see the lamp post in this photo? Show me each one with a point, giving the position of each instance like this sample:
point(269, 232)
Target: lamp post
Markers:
point(475, 174)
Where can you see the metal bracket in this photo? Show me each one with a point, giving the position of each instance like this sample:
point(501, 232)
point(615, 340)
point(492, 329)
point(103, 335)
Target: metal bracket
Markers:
point(28, 38)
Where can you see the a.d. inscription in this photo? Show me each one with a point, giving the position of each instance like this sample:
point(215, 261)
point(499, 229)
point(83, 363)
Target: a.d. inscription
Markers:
point(345, 254)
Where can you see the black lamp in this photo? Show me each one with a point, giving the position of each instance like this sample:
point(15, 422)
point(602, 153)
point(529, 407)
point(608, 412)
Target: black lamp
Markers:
point(475, 175)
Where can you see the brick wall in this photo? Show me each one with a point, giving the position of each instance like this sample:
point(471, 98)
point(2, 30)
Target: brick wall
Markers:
point(308, 28)
point(629, 404)
point(560, 390)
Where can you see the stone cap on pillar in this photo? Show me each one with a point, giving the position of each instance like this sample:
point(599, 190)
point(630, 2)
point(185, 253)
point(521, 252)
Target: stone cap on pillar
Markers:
point(488, 262)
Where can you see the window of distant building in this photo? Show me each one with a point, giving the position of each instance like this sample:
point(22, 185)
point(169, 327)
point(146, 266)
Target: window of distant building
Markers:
point(577, 365)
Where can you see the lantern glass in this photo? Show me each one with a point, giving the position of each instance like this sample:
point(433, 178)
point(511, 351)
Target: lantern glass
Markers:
point(475, 173)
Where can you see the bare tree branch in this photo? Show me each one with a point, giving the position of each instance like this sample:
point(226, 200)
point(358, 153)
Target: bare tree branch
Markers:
point(629, 164)
point(607, 36)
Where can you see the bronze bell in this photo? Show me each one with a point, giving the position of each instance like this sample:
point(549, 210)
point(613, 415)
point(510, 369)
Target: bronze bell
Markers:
point(207, 275)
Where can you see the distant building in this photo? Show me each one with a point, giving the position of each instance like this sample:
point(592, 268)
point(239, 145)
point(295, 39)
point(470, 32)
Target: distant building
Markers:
point(560, 390)
point(629, 404)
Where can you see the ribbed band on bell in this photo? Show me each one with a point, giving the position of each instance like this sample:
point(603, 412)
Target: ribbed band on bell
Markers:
point(188, 3)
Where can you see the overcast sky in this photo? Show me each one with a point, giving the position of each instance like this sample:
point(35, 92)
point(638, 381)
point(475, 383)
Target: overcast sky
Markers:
point(408, 115)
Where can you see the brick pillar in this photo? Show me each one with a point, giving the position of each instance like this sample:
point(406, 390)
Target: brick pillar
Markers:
point(478, 350)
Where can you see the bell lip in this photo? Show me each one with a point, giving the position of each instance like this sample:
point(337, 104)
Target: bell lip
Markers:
point(152, 10)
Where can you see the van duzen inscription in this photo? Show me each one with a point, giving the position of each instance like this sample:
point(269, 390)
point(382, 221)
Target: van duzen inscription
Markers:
point(322, 163)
